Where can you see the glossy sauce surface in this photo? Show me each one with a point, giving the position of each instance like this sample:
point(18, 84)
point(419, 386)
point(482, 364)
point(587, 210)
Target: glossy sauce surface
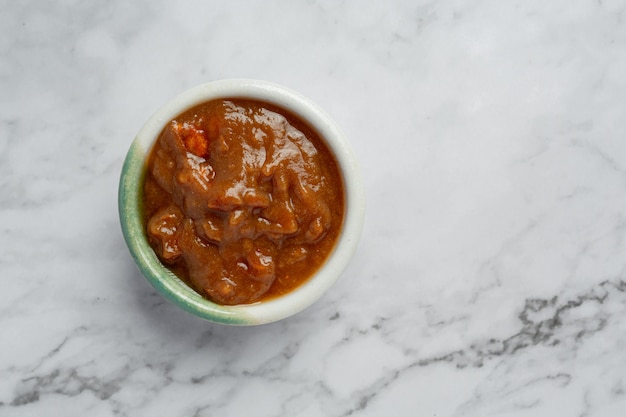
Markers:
point(242, 200)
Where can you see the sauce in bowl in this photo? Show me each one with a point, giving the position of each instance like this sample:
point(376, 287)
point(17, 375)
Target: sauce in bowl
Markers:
point(242, 200)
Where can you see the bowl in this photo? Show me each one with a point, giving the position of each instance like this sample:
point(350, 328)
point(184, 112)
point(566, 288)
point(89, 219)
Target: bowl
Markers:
point(176, 290)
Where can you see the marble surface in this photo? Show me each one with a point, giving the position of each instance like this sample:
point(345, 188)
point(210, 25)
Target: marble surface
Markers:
point(491, 275)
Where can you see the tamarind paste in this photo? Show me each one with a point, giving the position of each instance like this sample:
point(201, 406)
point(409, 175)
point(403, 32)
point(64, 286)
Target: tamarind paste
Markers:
point(242, 200)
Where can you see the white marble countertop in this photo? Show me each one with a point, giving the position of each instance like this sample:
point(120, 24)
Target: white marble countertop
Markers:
point(491, 275)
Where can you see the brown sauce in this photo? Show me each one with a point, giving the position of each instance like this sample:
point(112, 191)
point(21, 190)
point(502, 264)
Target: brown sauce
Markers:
point(242, 200)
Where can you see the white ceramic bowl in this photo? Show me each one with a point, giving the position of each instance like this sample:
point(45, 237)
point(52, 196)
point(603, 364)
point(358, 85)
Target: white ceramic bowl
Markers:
point(174, 289)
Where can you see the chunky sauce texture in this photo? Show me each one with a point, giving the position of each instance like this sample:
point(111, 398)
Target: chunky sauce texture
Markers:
point(242, 200)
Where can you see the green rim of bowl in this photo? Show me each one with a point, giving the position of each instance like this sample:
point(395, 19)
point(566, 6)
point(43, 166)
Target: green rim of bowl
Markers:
point(164, 281)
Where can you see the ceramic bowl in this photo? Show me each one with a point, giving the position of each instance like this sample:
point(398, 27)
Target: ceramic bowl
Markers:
point(174, 289)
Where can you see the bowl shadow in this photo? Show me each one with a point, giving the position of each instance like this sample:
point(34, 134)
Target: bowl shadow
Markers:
point(166, 320)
